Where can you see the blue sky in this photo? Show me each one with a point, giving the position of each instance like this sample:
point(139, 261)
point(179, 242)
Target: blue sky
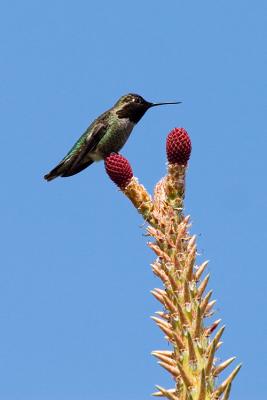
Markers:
point(75, 275)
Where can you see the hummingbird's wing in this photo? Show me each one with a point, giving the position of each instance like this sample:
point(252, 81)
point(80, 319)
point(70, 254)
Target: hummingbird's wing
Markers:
point(87, 144)
point(77, 158)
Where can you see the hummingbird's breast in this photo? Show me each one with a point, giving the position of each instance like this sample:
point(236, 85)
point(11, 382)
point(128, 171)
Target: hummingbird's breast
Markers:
point(116, 136)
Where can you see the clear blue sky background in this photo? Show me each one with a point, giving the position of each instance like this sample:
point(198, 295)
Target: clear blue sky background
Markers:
point(75, 275)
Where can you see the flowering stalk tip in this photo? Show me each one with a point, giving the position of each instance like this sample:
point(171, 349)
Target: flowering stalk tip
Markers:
point(118, 169)
point(178, 146)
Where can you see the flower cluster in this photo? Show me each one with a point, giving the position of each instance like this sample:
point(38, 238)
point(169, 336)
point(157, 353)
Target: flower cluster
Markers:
point(186, 305)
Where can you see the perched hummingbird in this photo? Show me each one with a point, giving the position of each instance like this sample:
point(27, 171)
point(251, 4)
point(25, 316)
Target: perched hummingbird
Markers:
point(107, 134)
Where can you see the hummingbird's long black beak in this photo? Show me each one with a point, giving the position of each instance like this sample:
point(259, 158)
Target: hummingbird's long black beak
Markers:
point(162, 104)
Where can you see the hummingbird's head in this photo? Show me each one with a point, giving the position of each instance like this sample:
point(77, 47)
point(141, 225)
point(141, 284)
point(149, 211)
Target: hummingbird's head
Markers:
point(133, 106)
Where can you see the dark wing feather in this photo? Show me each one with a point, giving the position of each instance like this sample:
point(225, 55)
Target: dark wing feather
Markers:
point(73, 162)
point(55, 172)
point(80, 168)
point(88, 144)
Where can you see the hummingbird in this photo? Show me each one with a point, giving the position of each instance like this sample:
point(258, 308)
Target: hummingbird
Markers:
point(107, 134)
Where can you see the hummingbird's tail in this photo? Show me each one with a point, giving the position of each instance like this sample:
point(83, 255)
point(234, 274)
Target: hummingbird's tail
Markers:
point(63, 170)
point(55, 172)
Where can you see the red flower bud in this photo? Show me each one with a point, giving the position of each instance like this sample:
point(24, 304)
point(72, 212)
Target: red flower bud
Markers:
point(178, 146)
point(118, 169)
